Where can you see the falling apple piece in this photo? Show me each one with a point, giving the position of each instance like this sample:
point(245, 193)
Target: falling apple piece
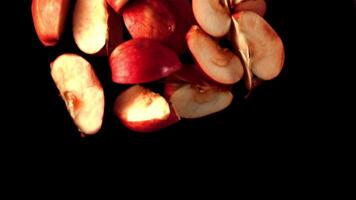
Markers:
point(257, 6)
point(194, 101)
point(81, 91)
point(142, 60)
point(117, 5)
point(219, 64)
point(142, 110)
point(90, 25)
point(115, 31)
point(49, 18)
point(260, 46)
point(149, 19)
point(213, 16)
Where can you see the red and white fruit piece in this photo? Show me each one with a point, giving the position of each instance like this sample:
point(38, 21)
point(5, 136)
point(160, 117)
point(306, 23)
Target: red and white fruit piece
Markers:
point(194, 101)
point(257, 6)
point(142, 110)
point(90, 25)
point(149, 19)
point(81, 91)
point(142, 60)
point(260, 46)
point(49, 18)
point(219, 64)
point(117, 5)
point(213, 16)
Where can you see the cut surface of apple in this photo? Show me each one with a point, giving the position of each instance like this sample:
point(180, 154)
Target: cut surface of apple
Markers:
point(81, 91)
point(117, 5)
point(142, 60)
point(49, 19)
point(213, 16)
point(257, 6)
point(90, 25)
point(219, 64)
point(149, 19)
point(260, 46)
point(194, 101)
point(142, 110)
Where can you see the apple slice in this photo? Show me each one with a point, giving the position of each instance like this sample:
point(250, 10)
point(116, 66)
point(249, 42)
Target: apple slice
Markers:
point(149, 19)
point(194, 101)
point(142, 110)
point(257, 6)
point(213, 16)
point(81, 91)
point(260, 46)
point(90, 25)
point(142, 60)
point(49, 19)
point(219, 64)
point(117, 5)
point(184, 18)
point(115, 31)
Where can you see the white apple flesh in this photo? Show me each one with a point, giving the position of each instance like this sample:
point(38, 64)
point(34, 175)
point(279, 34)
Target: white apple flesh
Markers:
point(81, 91)
point(90, 25)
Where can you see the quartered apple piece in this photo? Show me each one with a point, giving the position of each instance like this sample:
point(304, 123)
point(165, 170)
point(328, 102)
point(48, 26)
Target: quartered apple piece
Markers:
point(81, 91)
point(257, 6)
point(194, 101)
point(149, 19)
point(260, 46)
point(49, 19)
point(117, 5)
point(142, 110)
point(142, 60)
point(219, 64)
point(213, 16)
point(90, 25)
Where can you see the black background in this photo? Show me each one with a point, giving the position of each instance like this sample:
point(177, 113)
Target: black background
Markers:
point(290, 112)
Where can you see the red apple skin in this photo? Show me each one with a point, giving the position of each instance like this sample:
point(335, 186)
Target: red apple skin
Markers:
point(183, 13)
point(142, 60)
point(170, 88)
point(149, 19)
point(154, 125)
point(190, 73)
point(49, 18)
point(117, 5)
point(115, 31)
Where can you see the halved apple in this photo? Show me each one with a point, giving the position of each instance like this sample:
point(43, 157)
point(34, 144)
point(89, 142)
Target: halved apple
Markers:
point(213, 16)
point(90, 25)
point(142, 60)
point(260, 46)
point(117, 5)
point(81, 91)
point(257, 6)
point(149, 19)
point(142, 110)
point(49, 19)
point(194, 101)
point(219, 64)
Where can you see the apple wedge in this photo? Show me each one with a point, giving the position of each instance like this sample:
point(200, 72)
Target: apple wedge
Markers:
point(90, 25)
point(142, 60)
point(149, 19)
point(260, 46)
point(194, 101)
point(117, 5)
point(81, 91)
point(142, 110)
point(219, 64)
point(257, 6)
point(213, 16)
point(49, 19)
